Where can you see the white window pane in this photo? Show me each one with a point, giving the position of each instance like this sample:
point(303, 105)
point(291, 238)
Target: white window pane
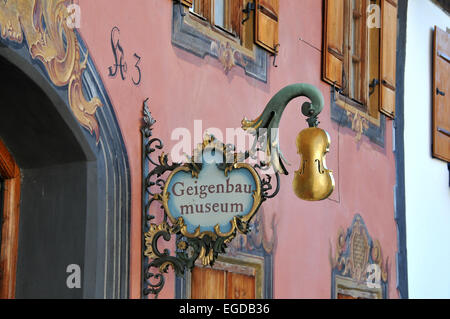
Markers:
point(219, 13)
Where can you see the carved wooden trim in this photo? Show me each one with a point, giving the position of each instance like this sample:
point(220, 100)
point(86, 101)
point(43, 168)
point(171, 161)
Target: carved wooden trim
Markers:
point(10, 173)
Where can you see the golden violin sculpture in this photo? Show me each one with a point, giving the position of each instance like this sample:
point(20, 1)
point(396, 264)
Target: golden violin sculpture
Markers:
point(313, 181)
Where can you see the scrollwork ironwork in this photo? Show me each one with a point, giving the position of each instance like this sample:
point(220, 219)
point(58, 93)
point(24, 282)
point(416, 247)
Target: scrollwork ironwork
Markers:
point(204, 246)
point(153, 258)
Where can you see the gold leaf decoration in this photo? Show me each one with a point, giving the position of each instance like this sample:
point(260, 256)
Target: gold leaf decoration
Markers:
point(227, 55)
point(360, 124)
point(51, 41)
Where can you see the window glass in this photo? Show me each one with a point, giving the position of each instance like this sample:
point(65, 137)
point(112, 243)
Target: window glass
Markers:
point(219, 13)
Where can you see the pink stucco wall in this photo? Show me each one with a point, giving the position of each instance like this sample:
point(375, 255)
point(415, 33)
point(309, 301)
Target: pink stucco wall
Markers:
point(183, 88)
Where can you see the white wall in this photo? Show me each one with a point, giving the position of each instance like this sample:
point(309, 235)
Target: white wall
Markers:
point(427, 179)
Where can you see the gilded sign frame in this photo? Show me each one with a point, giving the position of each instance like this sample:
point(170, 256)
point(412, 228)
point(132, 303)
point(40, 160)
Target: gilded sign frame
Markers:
point(211, 143)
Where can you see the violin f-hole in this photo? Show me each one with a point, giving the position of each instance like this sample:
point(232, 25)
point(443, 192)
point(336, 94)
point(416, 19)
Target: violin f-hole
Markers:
point(319, 167)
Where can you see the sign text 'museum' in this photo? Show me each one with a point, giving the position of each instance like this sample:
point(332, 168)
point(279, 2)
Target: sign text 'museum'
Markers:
point(203, 191)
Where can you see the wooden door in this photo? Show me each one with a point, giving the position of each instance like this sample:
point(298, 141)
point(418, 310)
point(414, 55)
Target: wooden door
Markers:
point(207, 283)
point(240, 286)
point(9, 210)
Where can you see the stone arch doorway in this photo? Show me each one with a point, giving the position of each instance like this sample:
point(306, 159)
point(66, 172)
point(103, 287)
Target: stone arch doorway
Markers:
point(74, 191)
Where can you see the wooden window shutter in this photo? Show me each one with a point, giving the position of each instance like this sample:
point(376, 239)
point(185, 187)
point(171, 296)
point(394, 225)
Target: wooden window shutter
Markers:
point(202, 8)
point(266, 24)
point(187, 3)
point(441, 92)
point(206, 9)
point(333, 51)
point(236, 16)
point(388, 54)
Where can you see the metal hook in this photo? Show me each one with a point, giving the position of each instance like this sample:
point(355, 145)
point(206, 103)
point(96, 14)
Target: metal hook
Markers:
point(248, 9)
point(373, 84)
point(333, 91)
point(275, 55)
point(439, 92)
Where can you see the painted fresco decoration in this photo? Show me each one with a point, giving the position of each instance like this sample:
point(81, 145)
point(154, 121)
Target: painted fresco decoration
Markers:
point(348, 115)
point(227, 55)
point(43, 25)
point(360, 123)
point(39, 33)
point(257, 238)
point(358, 260)
point(119, 60)
point(206, 204)
point(187, 37)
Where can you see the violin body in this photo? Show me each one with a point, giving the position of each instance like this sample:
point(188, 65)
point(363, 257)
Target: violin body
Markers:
point(313, 181)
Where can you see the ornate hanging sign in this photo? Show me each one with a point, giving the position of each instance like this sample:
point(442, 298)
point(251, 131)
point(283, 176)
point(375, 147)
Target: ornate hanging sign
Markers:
point(212, 197)
point(207, 202)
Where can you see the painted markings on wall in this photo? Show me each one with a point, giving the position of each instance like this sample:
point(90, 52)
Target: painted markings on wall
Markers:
point(120, 65)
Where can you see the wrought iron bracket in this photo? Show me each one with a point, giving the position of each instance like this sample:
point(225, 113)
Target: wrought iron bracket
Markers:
point(439, 92)
point(271, 117)
point(373, 84)
point(248, 9)
point(207, 246)
point(156, 173)
point(275, 56)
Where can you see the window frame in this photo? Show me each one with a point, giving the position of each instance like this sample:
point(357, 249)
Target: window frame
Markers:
point(368, 118)
point(366, 98)
point(194, 34)
point(207, 18)
point(348, 287)
point(369, 58)
point(351, 35)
